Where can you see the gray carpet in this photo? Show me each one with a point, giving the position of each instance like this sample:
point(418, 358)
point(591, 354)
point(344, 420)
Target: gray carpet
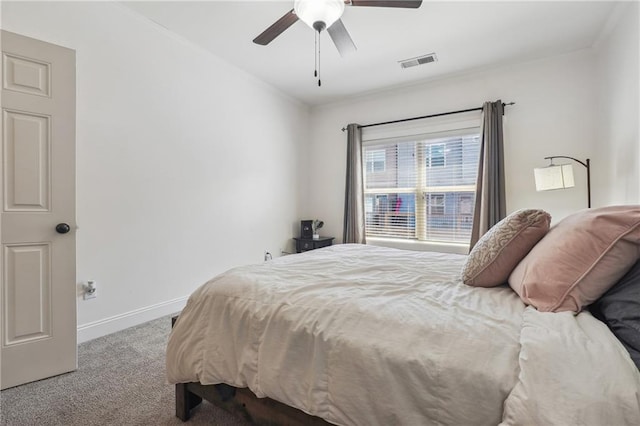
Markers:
point(120, 381)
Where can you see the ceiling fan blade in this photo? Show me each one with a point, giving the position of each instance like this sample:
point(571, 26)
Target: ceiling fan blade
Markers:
point(341, 38)
point(409, 4)
point(276, 29)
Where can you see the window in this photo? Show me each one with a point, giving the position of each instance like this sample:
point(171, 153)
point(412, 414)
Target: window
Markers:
point(424, 189)
point(435, 204)
point(435, 155)
point(375, 160)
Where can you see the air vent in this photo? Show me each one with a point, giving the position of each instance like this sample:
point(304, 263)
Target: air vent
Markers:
point(420, 60)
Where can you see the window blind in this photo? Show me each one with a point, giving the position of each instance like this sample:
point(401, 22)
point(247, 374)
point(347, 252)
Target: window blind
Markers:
point(421, 188)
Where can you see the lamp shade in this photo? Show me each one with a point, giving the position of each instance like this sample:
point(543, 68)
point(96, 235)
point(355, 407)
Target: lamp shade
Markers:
point(312, 11)
point(554, 177)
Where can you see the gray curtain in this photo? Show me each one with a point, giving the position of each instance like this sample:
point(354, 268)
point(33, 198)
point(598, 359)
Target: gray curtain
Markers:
point(353, 231)
point(490, 205)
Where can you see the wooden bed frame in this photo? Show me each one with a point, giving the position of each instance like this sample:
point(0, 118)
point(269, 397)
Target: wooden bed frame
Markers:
point(240, 402)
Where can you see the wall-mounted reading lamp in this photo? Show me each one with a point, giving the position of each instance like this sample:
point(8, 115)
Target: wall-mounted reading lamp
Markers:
point(560, 176)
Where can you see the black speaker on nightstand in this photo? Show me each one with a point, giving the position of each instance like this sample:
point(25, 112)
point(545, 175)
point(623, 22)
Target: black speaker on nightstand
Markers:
point(306, 229)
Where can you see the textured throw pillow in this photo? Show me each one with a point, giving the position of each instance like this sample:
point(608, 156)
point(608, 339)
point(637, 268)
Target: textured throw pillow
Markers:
point(499, 250)
point(619, 308)
point(579, 259)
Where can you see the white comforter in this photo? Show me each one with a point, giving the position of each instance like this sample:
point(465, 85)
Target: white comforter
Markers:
point(363, 335)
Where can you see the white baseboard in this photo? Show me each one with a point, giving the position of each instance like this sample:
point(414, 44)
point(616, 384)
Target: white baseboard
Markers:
point(102, 327)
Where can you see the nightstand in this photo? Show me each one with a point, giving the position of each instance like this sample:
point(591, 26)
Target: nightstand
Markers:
point(306, 244)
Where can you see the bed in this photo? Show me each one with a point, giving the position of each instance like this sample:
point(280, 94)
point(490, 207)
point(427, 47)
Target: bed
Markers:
point(363, 335)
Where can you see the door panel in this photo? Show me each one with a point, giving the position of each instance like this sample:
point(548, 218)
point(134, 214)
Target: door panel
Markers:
point(26, 75)
point(28, 289)
point(37, 271)
point(26, 162)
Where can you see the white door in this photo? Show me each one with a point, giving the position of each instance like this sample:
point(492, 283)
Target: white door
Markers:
point(37, 181)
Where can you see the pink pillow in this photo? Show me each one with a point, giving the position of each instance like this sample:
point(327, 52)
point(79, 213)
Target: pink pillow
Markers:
point(500, 249)
point(579, 259)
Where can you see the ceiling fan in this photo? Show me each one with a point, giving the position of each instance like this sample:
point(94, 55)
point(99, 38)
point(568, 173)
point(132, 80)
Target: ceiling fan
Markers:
point(325, 14)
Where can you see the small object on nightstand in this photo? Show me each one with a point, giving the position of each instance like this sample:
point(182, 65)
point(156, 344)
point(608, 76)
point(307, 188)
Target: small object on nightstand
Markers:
point(306, 244)
point(317, 224)
point(306, 228)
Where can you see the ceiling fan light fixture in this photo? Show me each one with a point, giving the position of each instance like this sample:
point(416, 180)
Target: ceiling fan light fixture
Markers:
point(325, 11)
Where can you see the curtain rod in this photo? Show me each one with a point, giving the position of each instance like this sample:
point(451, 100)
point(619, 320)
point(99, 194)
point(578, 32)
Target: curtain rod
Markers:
point(426, 116)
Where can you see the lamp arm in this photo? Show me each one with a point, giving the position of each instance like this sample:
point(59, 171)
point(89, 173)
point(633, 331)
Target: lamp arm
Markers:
point(570, 158)
point(587, 165)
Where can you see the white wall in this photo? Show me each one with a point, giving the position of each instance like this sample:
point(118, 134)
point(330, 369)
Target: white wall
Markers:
point(618, 59)
point(186, 166)
point(554, 114)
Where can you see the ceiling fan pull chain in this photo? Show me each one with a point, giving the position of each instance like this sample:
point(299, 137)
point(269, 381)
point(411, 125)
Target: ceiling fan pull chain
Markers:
point(319, 65)
point(315, 55)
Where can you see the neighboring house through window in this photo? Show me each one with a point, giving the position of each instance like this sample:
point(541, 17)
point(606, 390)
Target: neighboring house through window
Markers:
point(435, 155)
point(435, 204)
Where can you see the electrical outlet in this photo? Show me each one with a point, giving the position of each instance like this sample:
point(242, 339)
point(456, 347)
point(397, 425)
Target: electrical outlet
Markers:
point(89, 290)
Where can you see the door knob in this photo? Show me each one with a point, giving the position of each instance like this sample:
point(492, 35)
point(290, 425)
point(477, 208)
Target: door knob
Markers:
point(62, 228)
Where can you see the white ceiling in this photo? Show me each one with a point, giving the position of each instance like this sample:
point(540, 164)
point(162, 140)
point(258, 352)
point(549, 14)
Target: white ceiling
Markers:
point(465, 36)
